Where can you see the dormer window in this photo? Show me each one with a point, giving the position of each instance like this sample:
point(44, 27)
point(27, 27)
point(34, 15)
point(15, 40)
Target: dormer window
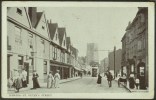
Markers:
point(64, 42)
point(56, 36)
point(19, 11)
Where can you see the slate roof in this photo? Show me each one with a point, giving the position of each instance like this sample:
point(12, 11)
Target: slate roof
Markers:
point(61, 32)
point(39, 14)
point(74, 51)
point(52, 29)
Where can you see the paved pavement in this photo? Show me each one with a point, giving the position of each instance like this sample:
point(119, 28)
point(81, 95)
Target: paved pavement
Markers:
point(81, 85)
point(132, 90)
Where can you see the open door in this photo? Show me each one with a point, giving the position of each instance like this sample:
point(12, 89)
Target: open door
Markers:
point(26, 67)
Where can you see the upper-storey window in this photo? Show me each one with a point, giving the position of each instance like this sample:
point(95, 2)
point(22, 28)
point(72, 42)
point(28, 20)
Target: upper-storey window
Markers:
point(19, 11)
point(42, 27)
point(18, 39)
point(64, 42)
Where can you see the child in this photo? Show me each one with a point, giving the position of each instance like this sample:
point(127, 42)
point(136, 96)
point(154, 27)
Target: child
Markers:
point(137, 82)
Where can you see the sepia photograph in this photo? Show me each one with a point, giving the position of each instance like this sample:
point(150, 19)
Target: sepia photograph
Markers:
point(78, 50)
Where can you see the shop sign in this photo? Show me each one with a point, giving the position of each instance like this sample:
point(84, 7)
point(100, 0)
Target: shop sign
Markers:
point(142, 72)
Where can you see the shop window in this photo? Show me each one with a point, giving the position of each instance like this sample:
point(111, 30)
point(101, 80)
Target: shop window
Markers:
point(20, 62)
point(45, 67)
point(19, 11)
point(31, 68)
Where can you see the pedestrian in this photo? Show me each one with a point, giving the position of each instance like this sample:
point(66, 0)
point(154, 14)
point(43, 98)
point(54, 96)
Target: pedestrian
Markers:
point(99, 79)
point(56, 79)
point(35, 80)
point(24, 78)
point(109, 79)
point(137, 81)
point(49, 80)
point(131, 81)
point(17, 81)
point(52, 82)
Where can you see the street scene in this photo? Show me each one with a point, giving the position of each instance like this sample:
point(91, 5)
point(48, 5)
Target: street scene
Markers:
point(77, 50)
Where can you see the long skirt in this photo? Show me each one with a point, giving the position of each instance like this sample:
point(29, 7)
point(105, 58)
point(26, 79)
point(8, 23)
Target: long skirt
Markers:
point(56, 83)
point(49, 83)
point(17, 84)
point(35, 83)
point(24, 83)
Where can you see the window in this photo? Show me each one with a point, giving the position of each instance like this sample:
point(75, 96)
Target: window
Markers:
point(19, 11)
point(56, 36)
point(64, 42)
point(30, 41)
point(20, 62)
point(18, 39)
point(45, 67)
point(54, 53)
point(42, 27)
point(43, 45)
point(139, 45)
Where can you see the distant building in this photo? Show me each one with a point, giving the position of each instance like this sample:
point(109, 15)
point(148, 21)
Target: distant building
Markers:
point(92, 53)
point(117, 61)
point(92, 57)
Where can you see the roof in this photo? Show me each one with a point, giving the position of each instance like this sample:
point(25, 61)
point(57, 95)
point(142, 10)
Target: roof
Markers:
point(61, 32)
point(52, 29)
point(74, 50)
point(39, 14)
point(68, 42)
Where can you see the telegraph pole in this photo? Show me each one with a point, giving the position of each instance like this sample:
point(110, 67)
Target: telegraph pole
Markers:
point(114, 61)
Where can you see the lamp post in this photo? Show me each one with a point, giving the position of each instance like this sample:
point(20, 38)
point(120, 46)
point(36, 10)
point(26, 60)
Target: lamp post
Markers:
point(114, 61)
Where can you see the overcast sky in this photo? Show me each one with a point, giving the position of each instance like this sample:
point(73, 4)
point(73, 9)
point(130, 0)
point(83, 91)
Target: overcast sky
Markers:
point(102, 25)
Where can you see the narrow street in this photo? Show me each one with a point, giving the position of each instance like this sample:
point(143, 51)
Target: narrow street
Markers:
point(84, 85)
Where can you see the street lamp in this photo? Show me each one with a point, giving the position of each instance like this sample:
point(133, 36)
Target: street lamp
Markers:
point(114, 61)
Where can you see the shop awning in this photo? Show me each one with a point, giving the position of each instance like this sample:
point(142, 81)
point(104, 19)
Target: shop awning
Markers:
point(59, 64)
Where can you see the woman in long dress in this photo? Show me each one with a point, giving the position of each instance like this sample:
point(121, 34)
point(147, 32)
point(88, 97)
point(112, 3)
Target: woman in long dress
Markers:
point(49, 80)
point(56, 79)
point(99, 79)
point(35, 80)
point(17, 81)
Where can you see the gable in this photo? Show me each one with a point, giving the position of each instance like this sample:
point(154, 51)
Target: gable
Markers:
point(41, 26)
point(19, 14)
point(64, 41)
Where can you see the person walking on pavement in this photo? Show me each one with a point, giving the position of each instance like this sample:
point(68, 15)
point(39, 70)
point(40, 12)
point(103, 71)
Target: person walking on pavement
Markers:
point(99, 79)
point(35, 80)
point(109, 79)
point(18, 81)
point(56, 79)
point(52, 82)
point(24, 78)
point(131, 81)
point(49, 80)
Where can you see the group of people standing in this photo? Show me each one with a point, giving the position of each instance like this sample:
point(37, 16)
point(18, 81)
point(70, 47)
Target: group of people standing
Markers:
point(53, 81)
point(109, 79)
point(19, 79)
